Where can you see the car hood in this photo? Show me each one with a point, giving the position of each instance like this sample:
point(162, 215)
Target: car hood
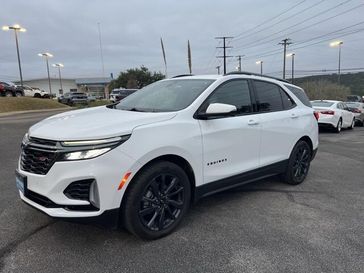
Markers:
point(94, 123)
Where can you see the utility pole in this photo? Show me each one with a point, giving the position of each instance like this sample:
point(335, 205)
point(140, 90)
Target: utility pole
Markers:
point(218, 69)
point(239, 59)
point(224, 47)
point(285, 43)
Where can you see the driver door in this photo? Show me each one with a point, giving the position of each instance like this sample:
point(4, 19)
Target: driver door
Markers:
point(231, 143)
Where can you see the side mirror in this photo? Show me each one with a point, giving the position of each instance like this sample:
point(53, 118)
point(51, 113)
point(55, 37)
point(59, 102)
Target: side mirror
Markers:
point(217, 109)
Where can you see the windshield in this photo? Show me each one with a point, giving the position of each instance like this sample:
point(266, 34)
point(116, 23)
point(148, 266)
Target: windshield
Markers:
point(322, 103)
point(165, 96)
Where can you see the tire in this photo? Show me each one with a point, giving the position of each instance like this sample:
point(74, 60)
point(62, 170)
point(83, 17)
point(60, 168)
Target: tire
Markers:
point(339, 126)
point(18, 94)
point(148, 199)
point(8, 94)
point(298, 163)
point(352, 125)
point(37, 95)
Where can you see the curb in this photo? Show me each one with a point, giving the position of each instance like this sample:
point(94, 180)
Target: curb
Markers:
point(35, 111)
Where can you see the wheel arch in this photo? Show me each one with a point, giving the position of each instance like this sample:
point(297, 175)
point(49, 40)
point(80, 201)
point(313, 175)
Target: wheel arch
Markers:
point(173, 158)
point(308, 140)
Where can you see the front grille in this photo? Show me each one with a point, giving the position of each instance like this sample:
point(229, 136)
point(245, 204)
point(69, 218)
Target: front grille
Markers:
point(45, 142)
point(37, 161)
point(79, 190)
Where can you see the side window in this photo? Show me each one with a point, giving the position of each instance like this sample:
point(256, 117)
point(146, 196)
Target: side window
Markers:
point(338, 106)
point(235, 92)
point(300, 94)
point(288, 103)
point(268, 97)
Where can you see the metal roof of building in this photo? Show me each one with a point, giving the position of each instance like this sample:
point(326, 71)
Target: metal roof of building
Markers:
point(93, 80)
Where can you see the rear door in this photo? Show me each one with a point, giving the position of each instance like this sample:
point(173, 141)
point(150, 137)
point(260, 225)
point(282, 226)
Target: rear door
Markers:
point(280, 122)
point(230, 142)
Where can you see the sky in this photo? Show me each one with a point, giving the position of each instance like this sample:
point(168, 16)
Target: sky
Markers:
point(131, 32)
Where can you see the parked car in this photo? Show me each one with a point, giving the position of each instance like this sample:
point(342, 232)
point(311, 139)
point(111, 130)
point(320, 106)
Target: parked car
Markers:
point(9, 89)
point(73, 98)
point(334, 114)
point(354, 98)
point(91, 98)
point(144, 160)
point(33, 92)
point(358, 110)
point(119, 94)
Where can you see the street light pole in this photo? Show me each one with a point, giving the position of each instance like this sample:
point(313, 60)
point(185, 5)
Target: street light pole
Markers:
point(339, 68)
point(239, 59)
point(47, 55)
point(339, 44)
point(218, 69)
point(261, 66)
point(292, 55)
point(59, 65)
point(16, 28)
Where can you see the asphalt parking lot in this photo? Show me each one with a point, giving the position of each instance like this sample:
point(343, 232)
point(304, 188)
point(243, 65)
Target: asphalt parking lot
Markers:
point(267, 226)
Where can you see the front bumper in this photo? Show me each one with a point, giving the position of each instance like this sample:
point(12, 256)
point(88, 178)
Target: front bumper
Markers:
point(107, 170)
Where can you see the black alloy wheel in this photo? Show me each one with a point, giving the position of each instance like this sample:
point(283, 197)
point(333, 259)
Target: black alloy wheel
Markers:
point(298, 164)
point(156, 200)
point(301, 162)
point(162, 202)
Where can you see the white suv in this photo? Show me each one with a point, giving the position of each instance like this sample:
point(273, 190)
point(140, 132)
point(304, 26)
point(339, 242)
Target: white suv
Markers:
point(142, 162)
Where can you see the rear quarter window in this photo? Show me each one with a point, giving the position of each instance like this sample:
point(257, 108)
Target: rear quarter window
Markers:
point(300, 94)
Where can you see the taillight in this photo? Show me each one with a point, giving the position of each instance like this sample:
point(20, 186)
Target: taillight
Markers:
point(1, 87)
point(357, 111)
point(316, 114)
point(329, 112)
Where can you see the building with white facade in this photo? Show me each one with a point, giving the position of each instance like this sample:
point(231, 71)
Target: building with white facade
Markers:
point(94, 86)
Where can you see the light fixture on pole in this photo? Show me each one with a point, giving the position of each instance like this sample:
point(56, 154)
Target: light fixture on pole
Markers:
point(339, 44)
point(47, 55)
point(17, 28)
point(292, 55)
point(261, 66)
point(59, 65)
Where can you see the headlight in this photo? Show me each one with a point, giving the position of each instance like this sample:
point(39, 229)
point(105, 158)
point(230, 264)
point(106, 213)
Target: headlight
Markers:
point(95, 141)
point(87, 149)
point(85, 154)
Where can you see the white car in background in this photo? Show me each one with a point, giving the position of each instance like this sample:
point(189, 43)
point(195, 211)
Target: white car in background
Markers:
point(34, 92)
point(334, 114)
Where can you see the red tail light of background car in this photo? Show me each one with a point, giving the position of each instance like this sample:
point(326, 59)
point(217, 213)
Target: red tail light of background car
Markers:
point(328, 112)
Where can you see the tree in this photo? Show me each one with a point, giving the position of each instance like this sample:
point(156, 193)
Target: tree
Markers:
point(323, 89)
point(136, 78)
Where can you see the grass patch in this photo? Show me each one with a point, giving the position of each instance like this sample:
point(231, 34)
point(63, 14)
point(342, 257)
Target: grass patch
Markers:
point(25, 103)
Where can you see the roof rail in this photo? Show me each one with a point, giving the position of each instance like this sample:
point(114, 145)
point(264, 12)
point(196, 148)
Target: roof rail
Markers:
point(255, 74)
point(182, 75)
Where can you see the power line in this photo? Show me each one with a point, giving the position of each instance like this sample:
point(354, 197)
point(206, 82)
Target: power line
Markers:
point(284, 19)
point(264, 40)
point(271, 19)
point(276, 51)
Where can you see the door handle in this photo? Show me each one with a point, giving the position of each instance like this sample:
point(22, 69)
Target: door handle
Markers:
point(293, 115)
point(253, 122)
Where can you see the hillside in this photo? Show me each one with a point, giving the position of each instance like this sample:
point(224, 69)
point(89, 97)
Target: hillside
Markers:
point(355, 81)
